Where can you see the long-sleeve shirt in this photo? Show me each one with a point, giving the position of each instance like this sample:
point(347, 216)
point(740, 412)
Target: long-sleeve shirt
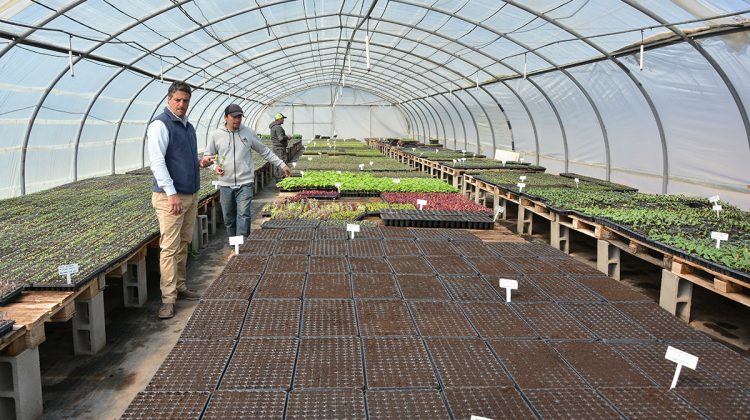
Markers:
point(234, 150)
point(157, 141)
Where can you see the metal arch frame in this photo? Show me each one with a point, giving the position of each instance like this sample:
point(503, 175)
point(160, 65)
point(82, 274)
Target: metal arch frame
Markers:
point(529, 114)
point(47, 20)
point(708, 57)
point(507, 120)
point(458, 114)
point(453, 126)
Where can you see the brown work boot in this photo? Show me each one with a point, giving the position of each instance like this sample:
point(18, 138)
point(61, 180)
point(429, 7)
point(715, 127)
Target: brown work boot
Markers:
point(166, 311)
point(188, 294)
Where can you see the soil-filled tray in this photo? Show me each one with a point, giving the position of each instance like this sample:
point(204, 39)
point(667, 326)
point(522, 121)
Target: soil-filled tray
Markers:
point(9, 291)
point(394, 404)
point(396, 233)
point(426, 234)
point(649, 403)
point(551, 321)
point(266, 233)
point(246, 405)
point(534, 265)
point(283, 285)
point(410, 265)
point(534, 364)
point(323, 317)
point(365, 248)
point(287, 264)
point(374, 286)
point(435, 247)
point(511, 249)
point(451, 265)
point(384, 318)
point(721, 361)
point(397, 363)
point(329, 363)
point(166, 404)
point(562, 289)
point(610, 289)
point(527, 291)
point(573, 403)
point(496, 403)
point(496, 320)
point(330, 233)
point(466, 363)
point(328, 264)
point(659, 323)
point(472, 249)
point(328, 247)
point(232, 286)
point(573, 266)
point(369, 265)
point(469, 288)
point(5, 326)
point(460, 235)
point(649, 358)
point(400, 247)
point(600, 365)
point(494, 267)
point(272, 318)
point(440, 319)
point(216, 319)
point(266, 363)
point(421, 287)
point(328, 286)
point(719, 403)
point(368, 232)
point(258, 247)
point(246, 264)
point(293, 223)
point(606, 321)
point(192, 365)
point(297, 234)
point(297, 247)
point(326, 404)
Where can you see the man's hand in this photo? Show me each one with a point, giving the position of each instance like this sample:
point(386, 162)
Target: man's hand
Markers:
point(287, 171)
point(206, 161)
point(219, 170)
point(175, 204)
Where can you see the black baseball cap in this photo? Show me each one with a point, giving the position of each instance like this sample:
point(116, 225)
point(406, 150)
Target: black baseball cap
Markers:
point(233, 110)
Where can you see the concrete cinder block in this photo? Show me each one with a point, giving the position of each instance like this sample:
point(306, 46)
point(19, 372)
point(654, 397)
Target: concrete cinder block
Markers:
point(21, 386)
point(134, 284)
point(676, 295)
point(559, 236)
point(608, 259)
point(89, 334)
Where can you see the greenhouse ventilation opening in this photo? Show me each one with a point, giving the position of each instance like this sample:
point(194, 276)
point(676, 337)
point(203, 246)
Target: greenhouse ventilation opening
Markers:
point(450, 137)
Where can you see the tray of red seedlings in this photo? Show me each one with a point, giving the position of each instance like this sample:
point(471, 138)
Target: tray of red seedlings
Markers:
point(316, 194)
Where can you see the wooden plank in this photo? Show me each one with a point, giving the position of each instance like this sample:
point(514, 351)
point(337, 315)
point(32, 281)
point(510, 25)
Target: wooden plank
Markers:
point(65, 314)
point(726, 286)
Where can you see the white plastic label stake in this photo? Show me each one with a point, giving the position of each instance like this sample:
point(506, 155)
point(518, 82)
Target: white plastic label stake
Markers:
point(371, 163)
point(719, 236)
point(522, 178)
point(66, 270)
point(717, 209)
point(682, 359)
point(521, 185)
point(361, 166)
point(520, 160)
point(437, 150)
point(714, 199)
point(455, 161)
point(215, 184)
point(463, 159)
point(302, 173)
point(463, 151)
point(508, 285)
point(236, 241)
point(294, 164)
point(309, 158)
point(338, 186)
point(498, 211)
point(421, 203)
point(338, 172)
point(352, 228)
point(413, 149)
point(396, 180)
point(577, 181)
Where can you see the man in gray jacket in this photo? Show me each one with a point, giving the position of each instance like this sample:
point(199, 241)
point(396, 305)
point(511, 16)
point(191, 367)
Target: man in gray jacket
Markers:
point(280, 141)
point(232, 145)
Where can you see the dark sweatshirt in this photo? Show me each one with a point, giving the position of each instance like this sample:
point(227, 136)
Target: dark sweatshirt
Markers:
point(278, 135)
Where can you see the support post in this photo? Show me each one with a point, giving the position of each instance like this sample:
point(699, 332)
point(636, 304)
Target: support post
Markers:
point(559, 235)
point(21, 386)
point(608, 259)
point(134, 284)
point(525, 220)
point(211, 213)
point(676, 295)
point(200, 232)
point(89, 334)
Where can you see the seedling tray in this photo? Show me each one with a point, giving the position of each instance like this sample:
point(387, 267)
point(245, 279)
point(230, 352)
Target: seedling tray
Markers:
point(293, 247)
point(285, 224)
point(496, 320)
point(451, 265)
point(469, 288)
point(11, 293)
point(574, 403)
point(384, 318)
point(398, 362)
point(440, 319)
point(657, 403)
point(192, 365)
point(398, 247)
point(272, 318)
point(659, 323)
point(326, 404)
point(410, 265)
point(491, 402)
point(436, 219)
point(166, 404)
point(365, 248)
point(466, 363)
point(535, 365)
point(287, 264)
point(550, 321)
point(324, 317)
point(472, 249)
point(374, 286)
point(610, 289)
point(328, 285)
point(421, 287)
point(717, 403)
point(417, 404)
point(246, 264)
point(435, 247)
point(649, 358)
point(258, 246)
point(232, 286)
point(562, 289)
point(328, 247)
point(329, 363)
point(5, 326)
point(203, 322)
point(494, 267)
point(246, 405)
point(261, 363)
point(323, 233)
point(369, 265)
point(601, 366)
point(281, 285)
point(607, 322)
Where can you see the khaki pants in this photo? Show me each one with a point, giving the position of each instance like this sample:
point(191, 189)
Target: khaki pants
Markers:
point(176, 234)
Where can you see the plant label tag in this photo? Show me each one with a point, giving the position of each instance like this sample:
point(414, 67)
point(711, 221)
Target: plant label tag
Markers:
point(714, 199)
point(503, 163)
point(508, 285)
point(372, 163)
point(396, 180)
point(473, 155)
point(717, 209)
point(498, 211)
point(522, 178)
point(463, 151)
point(236, 241)
point(578, 181)
point(338, 186)
point(215, 184)
point(463, 159)
point(309, 158)
point(67, 270)
point(682, 359)
point(520, 160)
point(413, 149)
point(421, 203)
point(455, 161)
point(294, 164)
point(352, 228)
point(521, 185)
point(719, 236)
point(473, 417)
point(361, 166)
point(320, 153)
point(437, 150)
point(302, 173)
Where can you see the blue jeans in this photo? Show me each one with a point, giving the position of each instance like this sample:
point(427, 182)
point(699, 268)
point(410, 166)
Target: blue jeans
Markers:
point(235, 207)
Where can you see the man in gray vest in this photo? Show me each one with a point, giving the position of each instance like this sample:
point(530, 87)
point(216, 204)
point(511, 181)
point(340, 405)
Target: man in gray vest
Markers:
point(173, 151)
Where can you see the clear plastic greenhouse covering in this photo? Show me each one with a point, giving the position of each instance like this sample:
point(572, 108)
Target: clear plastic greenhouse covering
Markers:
point(651, 93)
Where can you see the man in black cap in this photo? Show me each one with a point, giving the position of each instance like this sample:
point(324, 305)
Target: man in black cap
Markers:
point(280, 141)
point(232, 146)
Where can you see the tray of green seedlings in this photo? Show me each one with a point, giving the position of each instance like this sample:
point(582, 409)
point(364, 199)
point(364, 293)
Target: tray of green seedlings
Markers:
point(510, 180)
point(610, 185)
point(484, 163)
point(331, 151)
point(346, 144)
point(675, 223)
point(350, 163)
point(362, 182)
point(312, 209)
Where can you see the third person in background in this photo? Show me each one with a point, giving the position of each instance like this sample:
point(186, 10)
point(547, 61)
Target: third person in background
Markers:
point(280, 142)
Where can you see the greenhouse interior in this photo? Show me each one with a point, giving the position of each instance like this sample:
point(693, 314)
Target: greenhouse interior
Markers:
point(368, 209)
